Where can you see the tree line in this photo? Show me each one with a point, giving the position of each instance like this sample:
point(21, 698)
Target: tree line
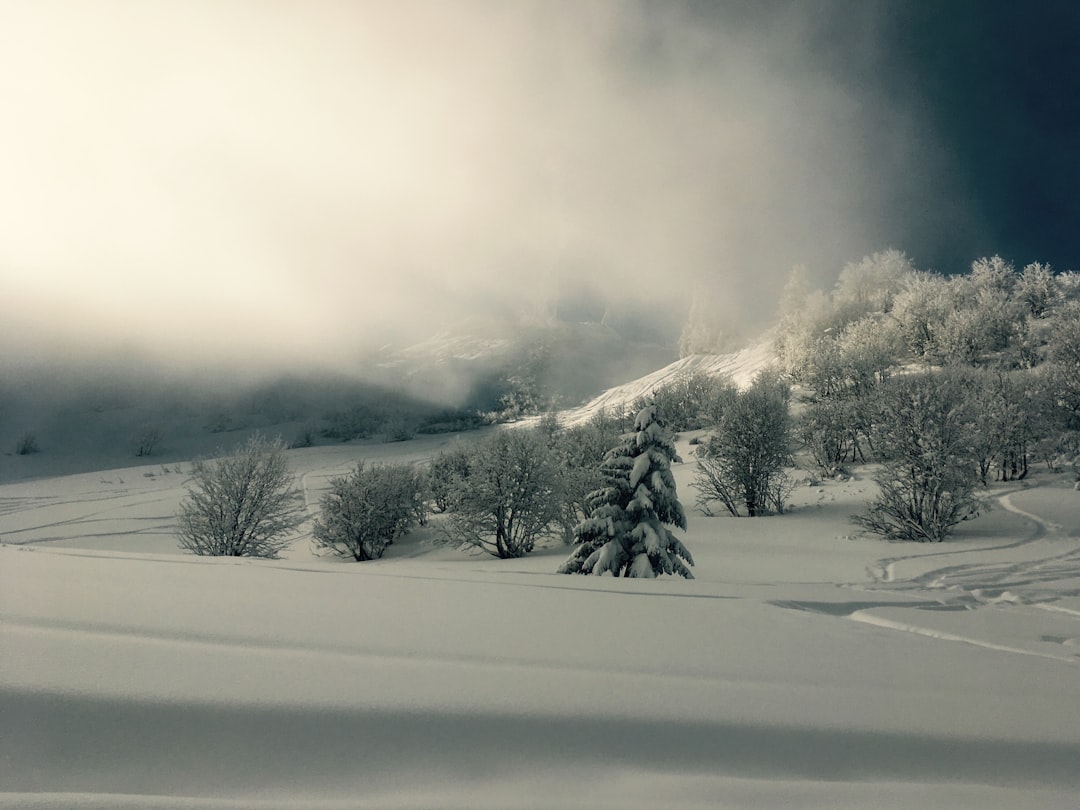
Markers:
point(945, 382)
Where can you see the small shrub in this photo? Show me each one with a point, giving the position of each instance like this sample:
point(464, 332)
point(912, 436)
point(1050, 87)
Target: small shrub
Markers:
point(27, 444)
point(305, 438)
point(144, 442)
point(397, 430)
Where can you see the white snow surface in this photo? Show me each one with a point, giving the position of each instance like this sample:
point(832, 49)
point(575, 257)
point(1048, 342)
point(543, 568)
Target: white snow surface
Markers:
point(740, 366)
point(806, 665)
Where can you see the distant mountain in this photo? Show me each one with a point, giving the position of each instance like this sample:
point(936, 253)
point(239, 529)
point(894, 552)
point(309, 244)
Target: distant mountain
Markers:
point(480, 361)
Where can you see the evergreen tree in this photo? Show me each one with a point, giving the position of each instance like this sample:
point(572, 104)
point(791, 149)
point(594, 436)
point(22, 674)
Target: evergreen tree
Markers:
point(627, 532)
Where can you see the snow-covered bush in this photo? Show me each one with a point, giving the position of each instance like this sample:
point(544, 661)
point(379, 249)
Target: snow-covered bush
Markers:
point(366, 510)
point(690, 401)
point(505, 496)
point(242, 505)
point(627, 532)
point(923, 430)
point(446, 473)
point(741, 464)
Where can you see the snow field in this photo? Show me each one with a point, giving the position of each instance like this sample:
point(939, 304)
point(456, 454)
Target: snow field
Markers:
point(805, 665)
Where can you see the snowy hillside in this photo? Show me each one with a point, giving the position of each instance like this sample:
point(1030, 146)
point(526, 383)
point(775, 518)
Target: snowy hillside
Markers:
point(741, 366)
point(805, 666)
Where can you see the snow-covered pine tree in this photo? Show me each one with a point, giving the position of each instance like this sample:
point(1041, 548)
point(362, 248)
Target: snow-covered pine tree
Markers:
point(627, 532)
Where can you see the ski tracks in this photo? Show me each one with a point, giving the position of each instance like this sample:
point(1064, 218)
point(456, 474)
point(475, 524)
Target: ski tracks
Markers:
point(993, 603)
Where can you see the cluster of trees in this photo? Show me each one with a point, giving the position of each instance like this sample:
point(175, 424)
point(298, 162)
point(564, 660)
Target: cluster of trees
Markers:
point(499, 494)
point(611, 493)
point(946, 382)
point(505, 492)
point(949, 382)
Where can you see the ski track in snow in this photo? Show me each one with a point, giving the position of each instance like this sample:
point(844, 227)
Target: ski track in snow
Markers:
point(1013, 584)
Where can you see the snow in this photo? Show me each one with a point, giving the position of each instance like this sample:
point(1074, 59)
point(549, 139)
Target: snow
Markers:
point(807, 665)
point(741, 366)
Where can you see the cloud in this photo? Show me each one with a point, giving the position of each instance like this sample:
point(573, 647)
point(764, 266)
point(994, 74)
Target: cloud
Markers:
point(250, 179)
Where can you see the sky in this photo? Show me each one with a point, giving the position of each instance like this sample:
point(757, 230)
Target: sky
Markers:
point(280, 182)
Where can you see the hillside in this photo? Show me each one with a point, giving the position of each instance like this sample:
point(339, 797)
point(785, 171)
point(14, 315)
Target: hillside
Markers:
point(740, 366)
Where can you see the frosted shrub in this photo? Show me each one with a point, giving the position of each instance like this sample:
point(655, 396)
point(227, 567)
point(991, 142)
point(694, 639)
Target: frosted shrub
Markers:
point(145, 441)
point(505, 497)
point(365, 511)
point(242, 505)
point(929, 476)
point(741, 464)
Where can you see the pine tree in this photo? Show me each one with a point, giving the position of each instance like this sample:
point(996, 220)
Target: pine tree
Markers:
point(627, 532)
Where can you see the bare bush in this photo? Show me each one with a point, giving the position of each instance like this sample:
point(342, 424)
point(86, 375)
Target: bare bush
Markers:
point(242, 505)
point(742, 463)
point(27, 444)
point(507, 498)
point(145, 441)
point(929, 476)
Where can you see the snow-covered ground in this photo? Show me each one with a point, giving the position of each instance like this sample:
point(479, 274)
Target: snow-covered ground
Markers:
point(805, 666)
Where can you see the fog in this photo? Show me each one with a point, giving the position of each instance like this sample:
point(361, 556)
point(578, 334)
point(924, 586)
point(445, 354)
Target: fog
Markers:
point(295, 183)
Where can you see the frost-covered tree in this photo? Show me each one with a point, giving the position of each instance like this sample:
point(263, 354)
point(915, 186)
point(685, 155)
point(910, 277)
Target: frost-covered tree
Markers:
point(1037, 289)
point(690, 401)
point(871, 284)
point(627, 532)
point(707, 330)
point(242, 505)
point(1064, 366)
point(508, 497)
point(926, 483)
point(921, 306)
point(742, 462)
point(1006, 415)
point(366, 510)
point(836, 432)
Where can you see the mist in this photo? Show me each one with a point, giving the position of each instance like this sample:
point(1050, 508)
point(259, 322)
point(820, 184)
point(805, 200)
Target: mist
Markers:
point(279, 185)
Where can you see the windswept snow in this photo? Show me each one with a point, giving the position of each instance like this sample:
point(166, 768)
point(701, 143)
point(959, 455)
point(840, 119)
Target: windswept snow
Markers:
point(806, 666)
